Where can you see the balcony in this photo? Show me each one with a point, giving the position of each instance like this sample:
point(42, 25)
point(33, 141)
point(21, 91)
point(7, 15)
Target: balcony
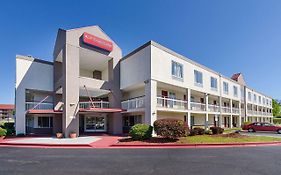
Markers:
point(213, 108)
point(171, 103)
point(225, 109)
point(195, 106)
point(94, 104)
point(37, 105)
point(235, 110)
point(135, 103)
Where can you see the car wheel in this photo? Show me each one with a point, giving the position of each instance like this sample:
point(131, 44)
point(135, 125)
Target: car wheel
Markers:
point(251, 130)
point(279, 131)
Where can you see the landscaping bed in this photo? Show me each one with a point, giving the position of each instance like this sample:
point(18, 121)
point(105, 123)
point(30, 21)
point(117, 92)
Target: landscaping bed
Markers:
point(201, 139)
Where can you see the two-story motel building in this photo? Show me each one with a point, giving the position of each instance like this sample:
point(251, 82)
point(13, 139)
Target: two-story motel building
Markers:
point(90, 87)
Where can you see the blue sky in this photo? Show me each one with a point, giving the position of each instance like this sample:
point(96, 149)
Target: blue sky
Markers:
point(226, 35)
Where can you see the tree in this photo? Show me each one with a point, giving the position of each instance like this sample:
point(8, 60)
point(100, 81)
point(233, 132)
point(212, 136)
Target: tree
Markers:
point(276, 108)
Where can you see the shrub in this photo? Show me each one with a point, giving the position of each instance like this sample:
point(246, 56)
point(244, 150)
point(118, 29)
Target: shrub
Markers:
point(197, 131)
point(170, 128)
point(10, 127)
point(200, 131)
point(217, 130)
point(277, 120)
point(141, 132)
point(3, 132)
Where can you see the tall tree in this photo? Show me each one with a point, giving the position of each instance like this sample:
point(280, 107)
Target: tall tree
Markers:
point(276, 108)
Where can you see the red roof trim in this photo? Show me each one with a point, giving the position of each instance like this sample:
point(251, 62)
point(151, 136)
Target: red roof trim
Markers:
point(7, 106)
point(44, 111)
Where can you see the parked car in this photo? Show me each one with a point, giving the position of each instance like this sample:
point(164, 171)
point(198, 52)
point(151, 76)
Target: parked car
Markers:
point(262, 126)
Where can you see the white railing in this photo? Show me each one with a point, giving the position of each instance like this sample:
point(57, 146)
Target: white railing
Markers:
point(38, 105)
point(94, 104)
point(197, 106)
point(250, 112)
point(213, 108)
point(225, 109)
point(235, 110)
point(171, 103)
point(134, 103)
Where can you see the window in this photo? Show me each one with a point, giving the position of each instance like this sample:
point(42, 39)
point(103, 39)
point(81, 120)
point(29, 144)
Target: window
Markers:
point(198, 78)
point(225, 87)
point(29, 96)
point(263, 101)
point(235, 91)
point(255, 98)
point(259, 99)
point(242, 92)
point(177, 70)
point(214, 83)
point(249, 96)
point(266, 101)
point(45, 122)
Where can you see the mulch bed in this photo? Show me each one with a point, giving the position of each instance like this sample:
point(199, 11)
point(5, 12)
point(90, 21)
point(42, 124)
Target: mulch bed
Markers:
point(157, 140)
point(153, 140)
point(231, 135)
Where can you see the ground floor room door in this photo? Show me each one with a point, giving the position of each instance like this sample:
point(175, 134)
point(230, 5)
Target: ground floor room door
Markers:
point(95, 123)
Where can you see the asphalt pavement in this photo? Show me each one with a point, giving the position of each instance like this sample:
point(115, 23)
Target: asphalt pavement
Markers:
point(209, 161)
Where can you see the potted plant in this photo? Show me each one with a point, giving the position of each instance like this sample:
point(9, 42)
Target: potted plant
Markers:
point(73, 135)
point(59, 135)
point(3, 133)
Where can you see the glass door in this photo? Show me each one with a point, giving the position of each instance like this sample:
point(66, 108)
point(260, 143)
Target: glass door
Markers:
point(95, 124)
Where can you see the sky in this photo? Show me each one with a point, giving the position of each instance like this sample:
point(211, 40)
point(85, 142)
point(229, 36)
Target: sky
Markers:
point(228, 36)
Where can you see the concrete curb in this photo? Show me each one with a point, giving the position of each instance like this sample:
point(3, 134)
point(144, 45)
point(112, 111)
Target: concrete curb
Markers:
point(45, 145)
point(116, 145)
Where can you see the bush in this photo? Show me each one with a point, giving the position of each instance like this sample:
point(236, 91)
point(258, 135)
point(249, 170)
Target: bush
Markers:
point(277, 120)
point(197, 131)
point(170, 128)
point(141, 132)
point(10, 127)
point(217, 130)
point(3, 132)
point(200, 131)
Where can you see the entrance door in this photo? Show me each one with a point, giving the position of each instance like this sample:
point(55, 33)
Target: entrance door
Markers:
point(95, 124)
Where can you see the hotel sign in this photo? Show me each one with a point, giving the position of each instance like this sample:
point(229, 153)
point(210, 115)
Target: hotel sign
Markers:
point(97, 42)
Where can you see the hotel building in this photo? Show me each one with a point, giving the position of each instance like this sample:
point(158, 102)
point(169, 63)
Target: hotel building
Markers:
point(90, 87)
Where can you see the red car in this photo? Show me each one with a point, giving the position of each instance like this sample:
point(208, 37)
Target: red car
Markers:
point(259, 126)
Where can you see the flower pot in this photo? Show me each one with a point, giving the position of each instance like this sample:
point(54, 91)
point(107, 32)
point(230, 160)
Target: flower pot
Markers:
point(2, 137)
point(59, 135)
point(72, 135)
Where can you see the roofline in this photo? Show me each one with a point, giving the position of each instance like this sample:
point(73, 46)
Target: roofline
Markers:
point(159, 46)
point(30, 58)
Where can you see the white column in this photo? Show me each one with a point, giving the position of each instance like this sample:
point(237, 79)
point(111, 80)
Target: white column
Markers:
point(231, 125)
point(239, 118)
point(188, 99)
point(188, 120)
point(220, 117)
point(207, 111)
point(150, 102)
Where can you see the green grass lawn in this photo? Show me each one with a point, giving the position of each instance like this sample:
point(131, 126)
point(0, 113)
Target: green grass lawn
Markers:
point(229, 130)
point(220, 139)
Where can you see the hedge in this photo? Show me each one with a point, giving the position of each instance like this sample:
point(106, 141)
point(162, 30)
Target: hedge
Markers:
point(141, 132)
point(217, 130)
point(170, 128)
point(3, 132)
point(277, 120)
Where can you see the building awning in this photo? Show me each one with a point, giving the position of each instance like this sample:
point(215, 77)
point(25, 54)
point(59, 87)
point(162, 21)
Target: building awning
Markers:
point(44, 111)
point(106, 110)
